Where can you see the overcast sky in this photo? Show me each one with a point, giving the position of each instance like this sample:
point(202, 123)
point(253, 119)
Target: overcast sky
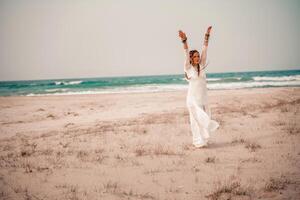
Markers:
point(70, 39)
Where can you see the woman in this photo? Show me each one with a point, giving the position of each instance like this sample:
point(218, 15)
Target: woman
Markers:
point(197, 102)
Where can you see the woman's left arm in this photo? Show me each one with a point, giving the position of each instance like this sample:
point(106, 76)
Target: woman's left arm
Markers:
point(204, 47)
point(203, 55)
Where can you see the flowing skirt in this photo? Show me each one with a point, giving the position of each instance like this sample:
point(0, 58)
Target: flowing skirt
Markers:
point(201, 123)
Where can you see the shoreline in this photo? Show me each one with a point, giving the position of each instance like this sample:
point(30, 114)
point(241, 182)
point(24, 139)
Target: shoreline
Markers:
point(145, 92)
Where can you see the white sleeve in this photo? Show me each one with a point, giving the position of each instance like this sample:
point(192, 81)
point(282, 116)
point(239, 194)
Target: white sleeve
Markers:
point(203, 55)
point(186, 60)
point(191, 73)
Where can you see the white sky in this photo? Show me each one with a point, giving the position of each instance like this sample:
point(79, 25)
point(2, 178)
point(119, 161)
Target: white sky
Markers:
point(42, 39)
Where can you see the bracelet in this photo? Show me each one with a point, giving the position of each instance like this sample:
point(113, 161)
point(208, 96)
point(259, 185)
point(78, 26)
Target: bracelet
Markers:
point(206, 36)
point(183, 41)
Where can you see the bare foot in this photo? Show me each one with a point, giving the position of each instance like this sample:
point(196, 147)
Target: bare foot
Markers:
point(201, 147)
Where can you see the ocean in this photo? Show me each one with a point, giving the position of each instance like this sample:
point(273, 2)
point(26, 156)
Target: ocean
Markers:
point(215, 81)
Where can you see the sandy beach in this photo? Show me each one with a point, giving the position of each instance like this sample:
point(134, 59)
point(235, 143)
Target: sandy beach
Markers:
point(139, 146)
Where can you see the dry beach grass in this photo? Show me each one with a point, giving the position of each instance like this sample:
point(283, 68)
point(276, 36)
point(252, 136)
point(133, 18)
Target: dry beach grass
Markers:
point(138, 146)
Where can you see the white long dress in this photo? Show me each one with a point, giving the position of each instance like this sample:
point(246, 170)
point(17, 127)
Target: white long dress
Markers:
point(197, 102)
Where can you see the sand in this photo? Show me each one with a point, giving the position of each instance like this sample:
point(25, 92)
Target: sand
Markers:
point(139, 146)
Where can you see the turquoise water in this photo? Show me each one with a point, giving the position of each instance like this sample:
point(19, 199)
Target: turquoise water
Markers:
point(215, 81)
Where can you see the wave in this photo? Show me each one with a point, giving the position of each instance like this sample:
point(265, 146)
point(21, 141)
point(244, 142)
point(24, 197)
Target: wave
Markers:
point(213, 79)
point(132, 89)
point(239, 85)
point(57, 90)
point(256, 78)
point(67, 82)
point(171, 87)
point(282, 78)
point(229, 79)
point(119, 82)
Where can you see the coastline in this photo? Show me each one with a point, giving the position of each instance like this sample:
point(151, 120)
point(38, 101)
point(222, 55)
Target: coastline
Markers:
point(59, 146)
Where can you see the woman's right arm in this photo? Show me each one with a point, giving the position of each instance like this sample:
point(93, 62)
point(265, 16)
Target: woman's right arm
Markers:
point(186, 50)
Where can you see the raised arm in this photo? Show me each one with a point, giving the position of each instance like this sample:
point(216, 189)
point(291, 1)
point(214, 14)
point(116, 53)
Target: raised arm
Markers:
point(205, 46)
point(186, 50)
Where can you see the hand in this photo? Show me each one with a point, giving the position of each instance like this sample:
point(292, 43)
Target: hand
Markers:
point(207, 34)
point(182, 35)
point(208, 30)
